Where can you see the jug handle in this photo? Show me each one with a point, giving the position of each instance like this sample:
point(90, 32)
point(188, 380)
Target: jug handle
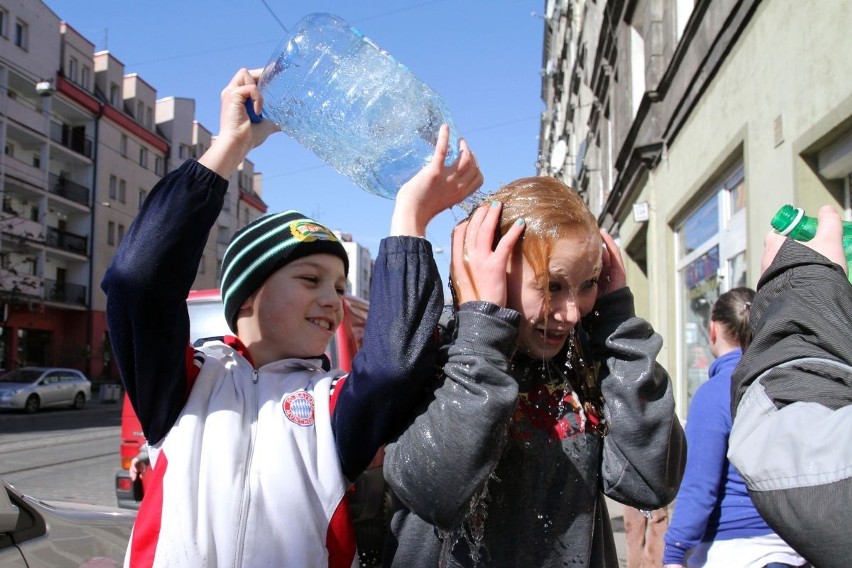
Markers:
point(253, 116)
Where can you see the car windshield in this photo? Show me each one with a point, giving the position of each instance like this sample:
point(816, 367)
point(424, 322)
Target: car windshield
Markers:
point(20, 376)
point(206, 319)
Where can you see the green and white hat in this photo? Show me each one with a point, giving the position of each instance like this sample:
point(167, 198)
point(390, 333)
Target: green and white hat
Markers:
point(265, 245)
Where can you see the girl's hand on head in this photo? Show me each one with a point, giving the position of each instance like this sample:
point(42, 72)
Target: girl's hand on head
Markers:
point(435, 187)
point(478, 270)
point(613, 276)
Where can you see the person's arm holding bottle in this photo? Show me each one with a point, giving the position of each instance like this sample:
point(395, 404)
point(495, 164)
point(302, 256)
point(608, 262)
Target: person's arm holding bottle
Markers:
point(156, 262)
point(798, 370)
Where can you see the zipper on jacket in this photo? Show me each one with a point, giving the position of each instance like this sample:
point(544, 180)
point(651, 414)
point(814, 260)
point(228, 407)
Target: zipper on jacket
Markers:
point(246, 493)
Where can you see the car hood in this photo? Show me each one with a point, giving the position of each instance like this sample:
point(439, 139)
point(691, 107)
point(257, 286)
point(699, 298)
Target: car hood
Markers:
point(85, 512)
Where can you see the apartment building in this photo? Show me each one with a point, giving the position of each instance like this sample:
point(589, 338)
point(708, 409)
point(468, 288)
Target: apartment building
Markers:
point(83, 142)
point(360, 266)
point(686, 124)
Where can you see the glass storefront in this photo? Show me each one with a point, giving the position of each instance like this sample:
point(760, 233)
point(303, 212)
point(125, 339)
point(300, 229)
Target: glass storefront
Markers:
point(711, 245)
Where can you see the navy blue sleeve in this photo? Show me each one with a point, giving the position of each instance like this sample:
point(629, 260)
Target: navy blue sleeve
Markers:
point(146, 286)
point(399, 352)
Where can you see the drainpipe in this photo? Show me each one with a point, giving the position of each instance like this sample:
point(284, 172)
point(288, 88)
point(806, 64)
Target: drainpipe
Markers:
point(93, 207)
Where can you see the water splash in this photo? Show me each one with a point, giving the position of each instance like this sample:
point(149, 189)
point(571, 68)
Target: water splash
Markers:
point(472, 528)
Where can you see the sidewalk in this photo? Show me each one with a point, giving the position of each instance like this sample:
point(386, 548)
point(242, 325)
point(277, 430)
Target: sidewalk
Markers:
point(617, 518)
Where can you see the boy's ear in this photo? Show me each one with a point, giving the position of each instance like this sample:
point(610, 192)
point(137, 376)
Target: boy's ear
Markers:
point(248, 302)
point(247, 307)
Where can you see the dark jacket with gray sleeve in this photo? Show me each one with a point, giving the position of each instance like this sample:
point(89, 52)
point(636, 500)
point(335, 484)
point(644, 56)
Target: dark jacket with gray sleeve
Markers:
point(505, 467)
point(792, 405)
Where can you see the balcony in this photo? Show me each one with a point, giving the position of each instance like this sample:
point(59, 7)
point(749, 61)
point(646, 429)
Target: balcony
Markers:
point(11, 224)
point(25, 112)
point(65, 292)
point(69, 189)
point(67, 241)
point(17, 284)
point(71, 137)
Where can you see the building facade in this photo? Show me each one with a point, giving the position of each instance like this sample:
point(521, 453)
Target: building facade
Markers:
point(360, 266)
point(83, 142)
point(685, 125)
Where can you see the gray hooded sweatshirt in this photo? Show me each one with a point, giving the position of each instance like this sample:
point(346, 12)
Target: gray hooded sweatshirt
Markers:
point(509, 462)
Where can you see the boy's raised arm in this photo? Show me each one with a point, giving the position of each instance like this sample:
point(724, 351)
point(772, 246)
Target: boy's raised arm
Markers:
point(400, 345)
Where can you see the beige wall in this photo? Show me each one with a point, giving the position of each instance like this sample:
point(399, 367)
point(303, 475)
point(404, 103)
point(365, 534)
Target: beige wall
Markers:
point(793, 63)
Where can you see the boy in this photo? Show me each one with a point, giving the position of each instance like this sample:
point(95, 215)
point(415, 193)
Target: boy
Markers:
point(253, 441)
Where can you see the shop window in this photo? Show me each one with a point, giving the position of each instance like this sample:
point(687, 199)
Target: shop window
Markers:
point(711, 259)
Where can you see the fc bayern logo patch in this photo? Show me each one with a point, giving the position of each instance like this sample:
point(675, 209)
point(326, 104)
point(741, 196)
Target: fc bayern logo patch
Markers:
point(299, 408)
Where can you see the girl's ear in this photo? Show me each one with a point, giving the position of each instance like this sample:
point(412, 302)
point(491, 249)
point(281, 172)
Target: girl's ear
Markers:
point(712, 332)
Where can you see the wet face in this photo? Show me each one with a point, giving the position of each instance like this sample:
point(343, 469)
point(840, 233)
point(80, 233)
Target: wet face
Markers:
point(551, 309)
point(296, 311)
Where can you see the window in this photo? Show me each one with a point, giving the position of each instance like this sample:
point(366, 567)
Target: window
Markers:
point(111, 233)
point(711, 249)
point(158, 166)
point(122, 146)
point(22, 32)
point(122, 191)
point(85, 76)
point(683, 10)
point(120, 232)
point(72, 69)
point(142, 195)
point(637, 68)
point(4, 22)
point(114, 94)
point(201, 265)
point(113, 184)
point(9, 149)
point(143, 157)
point(140, 112)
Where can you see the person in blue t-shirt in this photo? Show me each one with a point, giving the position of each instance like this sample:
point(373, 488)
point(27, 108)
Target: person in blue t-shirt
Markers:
point(715, 523)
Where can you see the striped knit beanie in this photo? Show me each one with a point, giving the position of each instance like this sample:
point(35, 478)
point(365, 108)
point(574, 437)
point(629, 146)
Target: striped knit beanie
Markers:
point(265, 245)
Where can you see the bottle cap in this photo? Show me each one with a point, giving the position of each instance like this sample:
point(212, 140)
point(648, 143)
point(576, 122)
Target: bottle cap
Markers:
point(787, 218)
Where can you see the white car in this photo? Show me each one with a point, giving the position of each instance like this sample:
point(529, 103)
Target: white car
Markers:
point(32, 388)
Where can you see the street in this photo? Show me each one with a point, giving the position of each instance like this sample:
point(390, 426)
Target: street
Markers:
point(68, 455)
point(72, 455)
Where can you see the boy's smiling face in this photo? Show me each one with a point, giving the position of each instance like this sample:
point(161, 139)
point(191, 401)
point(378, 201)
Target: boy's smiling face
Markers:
point(296, 310)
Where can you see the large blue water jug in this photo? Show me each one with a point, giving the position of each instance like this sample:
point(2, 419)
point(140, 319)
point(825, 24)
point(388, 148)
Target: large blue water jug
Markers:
point(352, 104)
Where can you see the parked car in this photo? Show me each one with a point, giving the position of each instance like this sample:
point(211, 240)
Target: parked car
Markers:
point(48, 534)
point(32, 388)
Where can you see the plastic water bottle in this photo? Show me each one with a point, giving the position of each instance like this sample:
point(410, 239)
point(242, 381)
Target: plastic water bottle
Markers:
point(792, 222)
point(353, 105)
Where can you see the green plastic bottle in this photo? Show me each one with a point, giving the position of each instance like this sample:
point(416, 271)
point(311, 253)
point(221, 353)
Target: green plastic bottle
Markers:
point(792, 222)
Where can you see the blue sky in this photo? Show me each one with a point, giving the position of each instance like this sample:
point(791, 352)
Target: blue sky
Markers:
point(482, 56)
